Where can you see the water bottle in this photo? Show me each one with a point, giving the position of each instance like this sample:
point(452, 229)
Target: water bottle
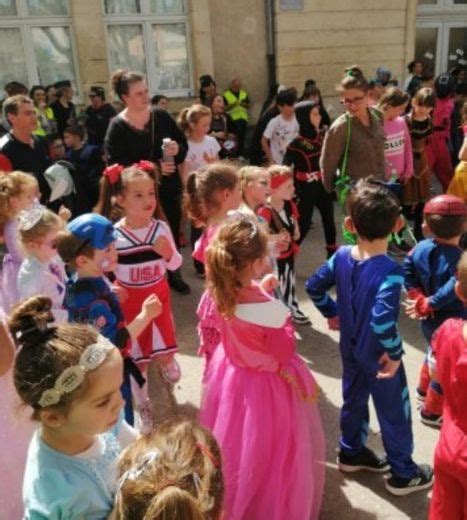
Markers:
point(167, 158)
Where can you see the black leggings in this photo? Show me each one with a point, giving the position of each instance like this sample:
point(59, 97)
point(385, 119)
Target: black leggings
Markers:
point(311, 194)
point(415, 213)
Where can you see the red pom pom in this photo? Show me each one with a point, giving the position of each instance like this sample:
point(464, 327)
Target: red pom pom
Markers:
point(146, 166)
point(113, 172)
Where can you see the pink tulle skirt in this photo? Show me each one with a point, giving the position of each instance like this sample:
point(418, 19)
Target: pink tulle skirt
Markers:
point(271, 439)
point(16, 430)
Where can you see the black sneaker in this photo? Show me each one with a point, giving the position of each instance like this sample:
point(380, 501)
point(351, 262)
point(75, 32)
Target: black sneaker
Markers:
point(180, 286)
point(431, 419)
point(299, 318)
point(395, 250)
point(365, 460)
point(404, 486)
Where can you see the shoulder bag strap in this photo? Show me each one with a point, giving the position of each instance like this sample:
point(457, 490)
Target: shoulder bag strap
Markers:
point(153, 135)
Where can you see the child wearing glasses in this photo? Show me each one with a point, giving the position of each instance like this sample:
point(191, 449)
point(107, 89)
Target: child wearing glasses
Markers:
point(42, 271)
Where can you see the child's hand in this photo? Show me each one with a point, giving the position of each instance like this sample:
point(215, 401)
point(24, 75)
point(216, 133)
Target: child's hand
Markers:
point(388, 368)
point(210, 158)
point(64, 213)
point(121, 292)
point(283, 241)
point(334, 324)
point(411, 309)
point(162, 247)
point(152, 306)
point(269, 283)
point(167, 167)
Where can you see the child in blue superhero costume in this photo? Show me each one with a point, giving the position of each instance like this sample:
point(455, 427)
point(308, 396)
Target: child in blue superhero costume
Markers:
point(368, 285)
point(430, 270)
point(88, 248)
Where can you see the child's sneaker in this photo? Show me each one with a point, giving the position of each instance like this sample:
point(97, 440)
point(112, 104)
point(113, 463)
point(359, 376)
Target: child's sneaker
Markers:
point(171, 371)
point(404, 486)
point(365, 460)
point(299, 318)
point(431, 419)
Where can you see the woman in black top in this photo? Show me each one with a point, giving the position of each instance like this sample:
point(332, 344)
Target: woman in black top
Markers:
point(64, 109)
point(136, 134)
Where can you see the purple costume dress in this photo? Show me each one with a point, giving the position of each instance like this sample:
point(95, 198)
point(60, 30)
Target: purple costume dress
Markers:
point(11, 264)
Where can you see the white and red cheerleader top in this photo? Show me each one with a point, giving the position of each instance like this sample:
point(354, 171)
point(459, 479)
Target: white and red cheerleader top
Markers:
point(139, 266)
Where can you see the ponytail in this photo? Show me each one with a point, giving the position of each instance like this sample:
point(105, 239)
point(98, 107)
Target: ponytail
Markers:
point(106, 205)
point(222, 278)
point(174, 503)
point(202, 187)
point(193, 201)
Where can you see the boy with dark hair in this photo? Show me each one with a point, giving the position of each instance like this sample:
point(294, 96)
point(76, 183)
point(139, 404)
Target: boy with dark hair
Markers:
point(282, 129)
point(430, 270)
point(368, 285)
point(88, 163)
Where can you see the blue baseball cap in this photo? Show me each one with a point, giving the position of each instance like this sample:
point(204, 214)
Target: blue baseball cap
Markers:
point(95, 230)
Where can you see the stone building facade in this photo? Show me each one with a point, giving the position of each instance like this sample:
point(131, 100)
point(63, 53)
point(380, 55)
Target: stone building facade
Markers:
point(175, 41)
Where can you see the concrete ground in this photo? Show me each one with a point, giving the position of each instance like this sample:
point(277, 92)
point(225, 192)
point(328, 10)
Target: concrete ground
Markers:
point(361, 496)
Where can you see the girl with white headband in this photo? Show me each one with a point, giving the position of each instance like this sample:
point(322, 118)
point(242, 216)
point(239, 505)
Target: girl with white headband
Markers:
point(42, 271)
point(71, 377)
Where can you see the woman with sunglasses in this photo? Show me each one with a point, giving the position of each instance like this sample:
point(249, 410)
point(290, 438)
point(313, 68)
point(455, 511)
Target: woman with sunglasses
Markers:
point(98, 116)
point(354, 145)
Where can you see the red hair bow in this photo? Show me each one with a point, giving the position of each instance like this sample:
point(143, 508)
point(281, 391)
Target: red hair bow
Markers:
point(113, 172)
point(146, 166)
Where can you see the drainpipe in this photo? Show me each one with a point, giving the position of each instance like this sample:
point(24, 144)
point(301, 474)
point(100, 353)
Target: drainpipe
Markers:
point(271, 41)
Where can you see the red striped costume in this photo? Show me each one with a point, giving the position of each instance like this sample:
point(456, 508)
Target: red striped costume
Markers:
point(141, 271)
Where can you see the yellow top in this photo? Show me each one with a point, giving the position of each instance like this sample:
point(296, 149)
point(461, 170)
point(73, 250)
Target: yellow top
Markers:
point(458, 185)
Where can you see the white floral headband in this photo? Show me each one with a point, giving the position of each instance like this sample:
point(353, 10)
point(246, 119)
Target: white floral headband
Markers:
point(27, 219)
point(72, 377)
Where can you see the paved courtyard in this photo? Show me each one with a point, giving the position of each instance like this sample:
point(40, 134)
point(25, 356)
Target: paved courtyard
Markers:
point(362, 496)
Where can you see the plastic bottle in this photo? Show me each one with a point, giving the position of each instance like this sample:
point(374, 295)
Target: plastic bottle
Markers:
point(167, 158)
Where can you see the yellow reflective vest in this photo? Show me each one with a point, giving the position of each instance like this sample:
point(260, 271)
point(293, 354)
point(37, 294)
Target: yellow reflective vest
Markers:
point(237, 112)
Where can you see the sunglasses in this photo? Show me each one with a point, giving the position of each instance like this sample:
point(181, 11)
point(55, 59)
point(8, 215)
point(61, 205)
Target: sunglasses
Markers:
point(52, 244)
point(352, 101)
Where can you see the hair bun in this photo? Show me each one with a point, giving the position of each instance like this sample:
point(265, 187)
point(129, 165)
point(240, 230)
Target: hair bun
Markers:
point(31, 319)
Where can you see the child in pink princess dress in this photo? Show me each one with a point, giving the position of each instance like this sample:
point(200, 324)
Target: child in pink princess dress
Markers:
point(211, 193)
point(259, 398)
point(15, 431)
